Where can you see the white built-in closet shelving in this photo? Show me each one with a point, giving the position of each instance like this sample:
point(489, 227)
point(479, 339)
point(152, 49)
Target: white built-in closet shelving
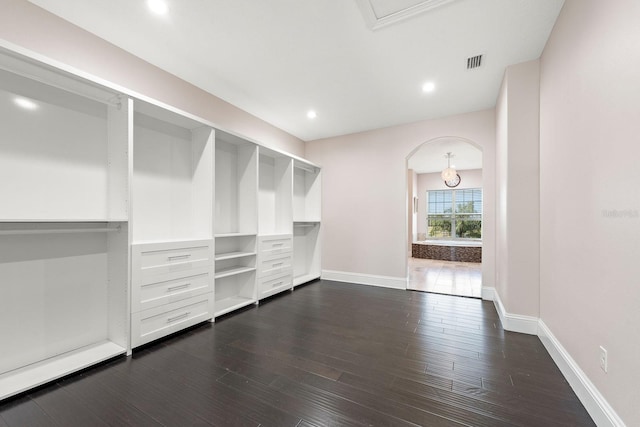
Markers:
point(64, 233)
point(123, 221)
point(236, 222)
point(172, 221)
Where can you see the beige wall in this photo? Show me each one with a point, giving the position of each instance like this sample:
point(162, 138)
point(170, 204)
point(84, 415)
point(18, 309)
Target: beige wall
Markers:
point(30, 27)
point(471, 178)
point(517, 130)
point(365, 192)
point(590, 193)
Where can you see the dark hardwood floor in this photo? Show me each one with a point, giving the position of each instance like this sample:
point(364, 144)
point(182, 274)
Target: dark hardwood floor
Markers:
point(327, 354)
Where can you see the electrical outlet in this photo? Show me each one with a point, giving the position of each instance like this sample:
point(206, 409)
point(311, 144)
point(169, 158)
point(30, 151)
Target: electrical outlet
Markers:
point(603, 359)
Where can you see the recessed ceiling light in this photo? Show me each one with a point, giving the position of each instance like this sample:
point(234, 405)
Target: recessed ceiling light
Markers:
point(25, 103)
point(311, 114)
point(159, 7)
point(428, 87)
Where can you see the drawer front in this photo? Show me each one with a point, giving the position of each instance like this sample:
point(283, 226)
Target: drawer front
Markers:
point(272, 285)
point(171, 287)
point(149, 325)
point(274, 264)
point(275, 244)
point(155, 259)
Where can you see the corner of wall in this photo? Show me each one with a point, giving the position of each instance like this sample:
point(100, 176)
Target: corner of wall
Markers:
point(597, 406)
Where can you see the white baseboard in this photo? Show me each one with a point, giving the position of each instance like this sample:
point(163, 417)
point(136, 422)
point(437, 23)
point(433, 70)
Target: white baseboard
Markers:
point(488, 293)
point(365, 279)
point(599, 409)
point(515, 322)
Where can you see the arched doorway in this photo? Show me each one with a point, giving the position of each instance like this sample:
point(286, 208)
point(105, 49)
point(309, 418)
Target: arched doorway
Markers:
point(445, 219)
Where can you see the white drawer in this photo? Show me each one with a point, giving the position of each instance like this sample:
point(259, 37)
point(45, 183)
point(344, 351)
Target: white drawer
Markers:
point(149, 325)
point(155, 259)
point(275, 263)
point(272, 285)
point(171, 287)
point(275, 244)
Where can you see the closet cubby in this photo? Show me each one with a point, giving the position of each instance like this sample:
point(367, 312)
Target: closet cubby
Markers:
point(172, 176)
point(236, 177)
point(306, 252)
point(234, 291)
point(307, 202)
point(236, 222)
point(307, 195)
point(275, 193)
point(64, 303)
point(65, 149)
point(64, 263)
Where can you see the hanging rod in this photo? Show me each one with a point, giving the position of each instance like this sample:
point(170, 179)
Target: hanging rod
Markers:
point(305, 167)
point(58, 230)
point(305, 224)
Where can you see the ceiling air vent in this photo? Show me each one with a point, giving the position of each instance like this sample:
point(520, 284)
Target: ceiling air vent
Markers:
point(474, 62)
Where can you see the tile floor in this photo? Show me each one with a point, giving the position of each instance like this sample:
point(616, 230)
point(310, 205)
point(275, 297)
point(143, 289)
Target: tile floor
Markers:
point(445, 277)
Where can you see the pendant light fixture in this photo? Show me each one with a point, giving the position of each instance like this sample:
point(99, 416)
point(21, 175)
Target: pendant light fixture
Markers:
point(449, 173)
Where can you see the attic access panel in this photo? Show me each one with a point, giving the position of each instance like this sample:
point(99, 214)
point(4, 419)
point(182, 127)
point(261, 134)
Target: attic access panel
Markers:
point(380, 13)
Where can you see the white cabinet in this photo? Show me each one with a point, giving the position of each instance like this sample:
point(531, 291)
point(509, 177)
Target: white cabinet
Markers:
point(172, 221)
point(168, 278)
point(275, 264)
point(64, 156)
point(149, 325)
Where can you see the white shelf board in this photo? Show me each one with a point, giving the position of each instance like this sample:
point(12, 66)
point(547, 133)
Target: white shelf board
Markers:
point(190, 239)
point(19, 380)
point(228, 305)
point(274, 291)
point(235, 235)
point(232, 271)
point(63, 220)
point(299, 280)
point(233, 255)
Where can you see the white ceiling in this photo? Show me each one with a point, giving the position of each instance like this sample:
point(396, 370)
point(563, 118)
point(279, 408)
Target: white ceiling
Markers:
point(279, 58)
point(431, 157)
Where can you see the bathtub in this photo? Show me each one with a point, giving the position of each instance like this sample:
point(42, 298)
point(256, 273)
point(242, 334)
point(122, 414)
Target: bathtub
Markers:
point(448, 250)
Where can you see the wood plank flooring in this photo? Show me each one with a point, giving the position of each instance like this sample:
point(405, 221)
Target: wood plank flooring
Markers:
point(327, 354)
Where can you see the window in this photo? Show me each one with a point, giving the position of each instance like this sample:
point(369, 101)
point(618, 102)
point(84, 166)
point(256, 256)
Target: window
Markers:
point(454, 214)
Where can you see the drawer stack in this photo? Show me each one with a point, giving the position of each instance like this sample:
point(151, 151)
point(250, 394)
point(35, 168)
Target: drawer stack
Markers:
point(172, 288)
point(275, 264)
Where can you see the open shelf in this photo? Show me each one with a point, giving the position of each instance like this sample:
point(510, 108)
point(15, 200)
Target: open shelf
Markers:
point(232, 271)
point(235, 288)
point(20, 380)
point(227, 305)
point(233, 255)
point(223, 235)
